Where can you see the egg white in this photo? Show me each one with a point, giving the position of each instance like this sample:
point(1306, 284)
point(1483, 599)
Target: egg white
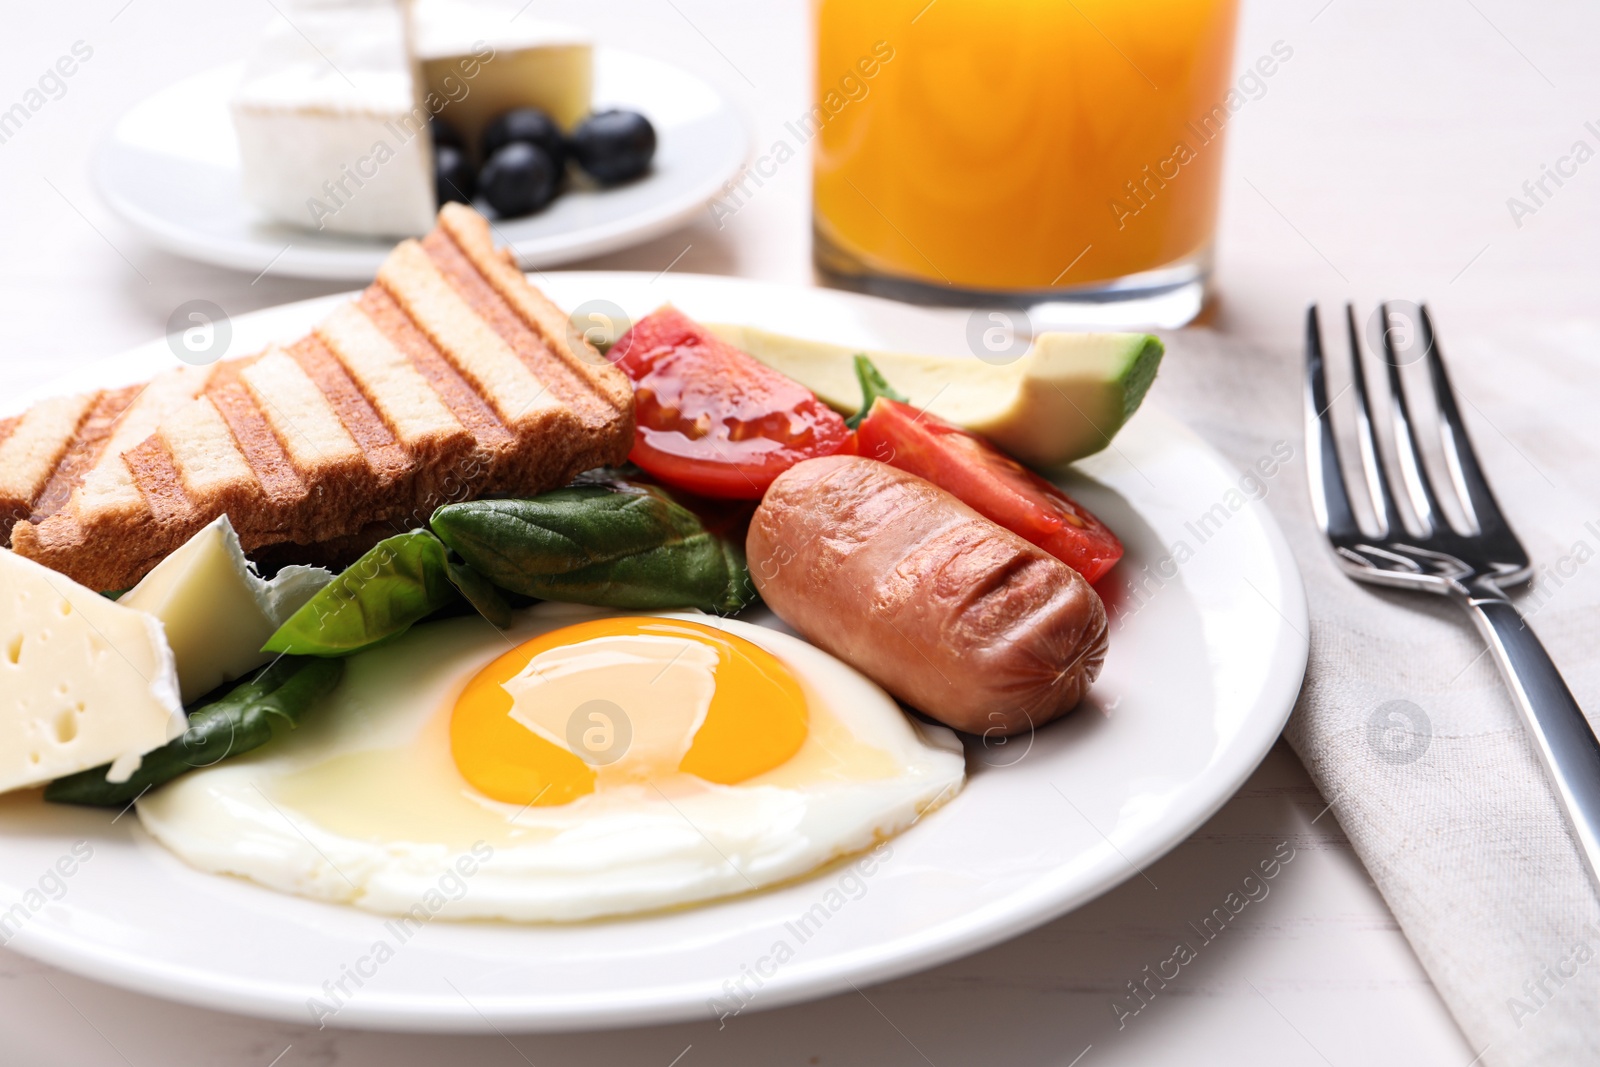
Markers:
point(356, 806)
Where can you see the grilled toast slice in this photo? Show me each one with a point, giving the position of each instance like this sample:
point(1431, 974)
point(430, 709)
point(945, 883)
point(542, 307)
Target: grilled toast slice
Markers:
point(448, 378)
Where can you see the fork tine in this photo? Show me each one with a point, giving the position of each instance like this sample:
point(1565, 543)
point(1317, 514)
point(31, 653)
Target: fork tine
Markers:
point(1384, 507)
point(1460, 457)
point(1329, 498)
point(1419, 487)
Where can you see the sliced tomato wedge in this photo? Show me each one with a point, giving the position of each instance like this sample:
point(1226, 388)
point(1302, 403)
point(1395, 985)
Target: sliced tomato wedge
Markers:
point(990, 483)
point(712, 419)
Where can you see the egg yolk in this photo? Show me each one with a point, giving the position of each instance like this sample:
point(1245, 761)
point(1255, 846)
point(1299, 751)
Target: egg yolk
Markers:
point(624, 699)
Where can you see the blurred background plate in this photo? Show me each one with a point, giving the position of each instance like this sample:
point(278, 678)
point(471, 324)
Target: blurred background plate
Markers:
point(170, 169)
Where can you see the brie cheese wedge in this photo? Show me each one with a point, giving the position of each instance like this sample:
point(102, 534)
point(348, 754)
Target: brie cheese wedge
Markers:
point(478, 64)
point(83, 680)
point(332, 113)
point(216, 610)
point(333, 134)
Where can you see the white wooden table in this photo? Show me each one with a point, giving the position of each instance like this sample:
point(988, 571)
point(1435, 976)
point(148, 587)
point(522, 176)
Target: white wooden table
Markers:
point(1377, 163)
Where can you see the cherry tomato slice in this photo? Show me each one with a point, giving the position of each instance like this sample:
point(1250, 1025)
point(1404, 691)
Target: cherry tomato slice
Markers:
point(713, 420)
point(990, 482)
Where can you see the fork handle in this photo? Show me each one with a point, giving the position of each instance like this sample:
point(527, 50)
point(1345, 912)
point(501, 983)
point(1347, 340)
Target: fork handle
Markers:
point(1562, 734)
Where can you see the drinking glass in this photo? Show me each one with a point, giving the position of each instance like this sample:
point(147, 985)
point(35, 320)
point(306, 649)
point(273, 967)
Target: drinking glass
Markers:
point(1056, 154)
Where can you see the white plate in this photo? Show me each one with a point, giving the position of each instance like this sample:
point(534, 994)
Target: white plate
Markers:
point(171, 170)
point(1204, 665)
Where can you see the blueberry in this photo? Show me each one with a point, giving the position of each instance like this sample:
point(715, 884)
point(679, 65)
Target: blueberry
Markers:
point(444, 133)
point(530, 126)
point(453, 177)
point(519, 179)
point(614, 146)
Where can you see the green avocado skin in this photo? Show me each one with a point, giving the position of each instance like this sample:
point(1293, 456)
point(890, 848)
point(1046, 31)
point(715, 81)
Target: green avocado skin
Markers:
point(1140, 374)
point(1075, 412)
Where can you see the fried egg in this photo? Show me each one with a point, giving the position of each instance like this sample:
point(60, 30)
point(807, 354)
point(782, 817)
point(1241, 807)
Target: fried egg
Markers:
point(580, 764)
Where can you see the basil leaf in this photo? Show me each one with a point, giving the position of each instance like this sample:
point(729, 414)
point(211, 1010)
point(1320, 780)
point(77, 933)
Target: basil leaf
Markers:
point(726, 519)
point(618, 546)
point(873, 385)
point(236, 723)
point(479, 591)
point(400, 581)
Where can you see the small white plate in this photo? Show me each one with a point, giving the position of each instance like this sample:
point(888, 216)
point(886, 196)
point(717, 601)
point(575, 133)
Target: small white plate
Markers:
point(170, 169)
point(1208, 648)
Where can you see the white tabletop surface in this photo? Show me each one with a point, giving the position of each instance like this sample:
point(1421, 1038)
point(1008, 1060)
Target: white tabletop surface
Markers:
point(1377, 163)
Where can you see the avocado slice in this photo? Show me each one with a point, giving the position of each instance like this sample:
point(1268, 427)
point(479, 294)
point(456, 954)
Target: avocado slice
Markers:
point(1063, 399)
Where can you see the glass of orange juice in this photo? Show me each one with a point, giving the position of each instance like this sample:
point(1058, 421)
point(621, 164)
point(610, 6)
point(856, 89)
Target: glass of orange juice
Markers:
point(1023, 152)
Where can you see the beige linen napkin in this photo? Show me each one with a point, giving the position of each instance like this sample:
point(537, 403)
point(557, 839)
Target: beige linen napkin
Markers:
point(1404, 724)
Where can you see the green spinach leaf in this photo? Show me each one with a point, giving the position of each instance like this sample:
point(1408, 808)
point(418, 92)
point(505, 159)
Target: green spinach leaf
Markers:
point(239, 721)
point(612, 545)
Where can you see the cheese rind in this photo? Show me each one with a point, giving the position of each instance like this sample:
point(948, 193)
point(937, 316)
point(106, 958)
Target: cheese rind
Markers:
point(83, 680)
point(216, 610)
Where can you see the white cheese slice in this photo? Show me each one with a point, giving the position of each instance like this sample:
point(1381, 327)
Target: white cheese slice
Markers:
point(479, 64)
point(333, 134)
point(332, 112)
point(216, 610)
point(83, 680)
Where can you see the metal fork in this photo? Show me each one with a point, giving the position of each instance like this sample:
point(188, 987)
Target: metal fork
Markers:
point(1472, 567)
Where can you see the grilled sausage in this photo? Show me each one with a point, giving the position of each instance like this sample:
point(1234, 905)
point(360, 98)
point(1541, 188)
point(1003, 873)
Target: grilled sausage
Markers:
point(951, 613)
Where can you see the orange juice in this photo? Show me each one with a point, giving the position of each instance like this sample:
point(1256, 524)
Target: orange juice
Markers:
point(1019, 145)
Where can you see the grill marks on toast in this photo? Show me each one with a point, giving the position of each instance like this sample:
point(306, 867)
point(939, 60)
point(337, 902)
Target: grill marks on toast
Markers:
point(494, 458)
point(81, 454)
point(449, 377)
point(31, 447)
point(455, 392)
point(302, 418)
point(524, 342)
point(108, 483)
point(470, 236)
point(93, 482)
point(416, 418)
point(153, 469)
point(442, 451)
point(212, 474)
point(274, 496)
point(520, 399)
point(383, 454)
